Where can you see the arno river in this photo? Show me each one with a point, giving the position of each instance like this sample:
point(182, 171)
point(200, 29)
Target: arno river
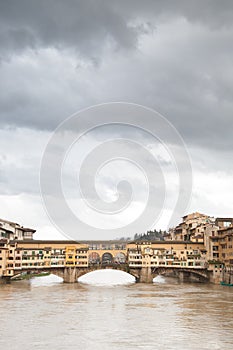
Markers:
point(168, 315)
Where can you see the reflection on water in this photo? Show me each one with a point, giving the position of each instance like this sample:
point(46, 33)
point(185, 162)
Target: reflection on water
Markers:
point(159, 279)
point(167, 316)
point(45, 280)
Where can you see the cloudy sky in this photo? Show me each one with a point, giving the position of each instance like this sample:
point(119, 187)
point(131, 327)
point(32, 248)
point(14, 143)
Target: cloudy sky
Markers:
point(58, 57)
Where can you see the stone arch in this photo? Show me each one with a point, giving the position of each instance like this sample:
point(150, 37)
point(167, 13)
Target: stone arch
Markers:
point(94, 258)
point(120, 258)
point(107, 258)
point(58, 273)
point(194, 275)
point(181, 273)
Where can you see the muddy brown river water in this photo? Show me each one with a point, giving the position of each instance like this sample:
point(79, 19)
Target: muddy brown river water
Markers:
point(168, 315)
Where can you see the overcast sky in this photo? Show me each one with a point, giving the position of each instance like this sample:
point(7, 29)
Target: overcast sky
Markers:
point(57, 57)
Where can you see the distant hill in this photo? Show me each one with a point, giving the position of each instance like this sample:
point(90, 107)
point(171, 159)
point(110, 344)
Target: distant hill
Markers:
point(150, 236)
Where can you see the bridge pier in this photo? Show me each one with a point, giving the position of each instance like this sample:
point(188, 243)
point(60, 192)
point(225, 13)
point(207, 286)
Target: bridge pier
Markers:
point(70, 275)
point(4, 280)
point(182, 276)
point(146, 275)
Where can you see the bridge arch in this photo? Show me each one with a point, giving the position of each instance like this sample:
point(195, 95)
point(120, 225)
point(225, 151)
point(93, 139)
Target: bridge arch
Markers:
point(182, 273)
point(106, 276)
point(120, 258)
point(94, 258)
point(107, 258)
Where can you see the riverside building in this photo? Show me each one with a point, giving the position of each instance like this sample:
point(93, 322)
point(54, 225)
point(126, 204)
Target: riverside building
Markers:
point(200, 242)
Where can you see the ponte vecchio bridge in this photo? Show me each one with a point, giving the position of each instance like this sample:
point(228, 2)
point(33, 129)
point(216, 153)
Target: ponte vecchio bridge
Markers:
point(70, 259)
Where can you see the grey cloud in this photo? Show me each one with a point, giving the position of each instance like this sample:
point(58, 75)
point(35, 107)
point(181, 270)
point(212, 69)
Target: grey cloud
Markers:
point(82, 25)
point(57, 57)
point(87, 25)
point(188, 78)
